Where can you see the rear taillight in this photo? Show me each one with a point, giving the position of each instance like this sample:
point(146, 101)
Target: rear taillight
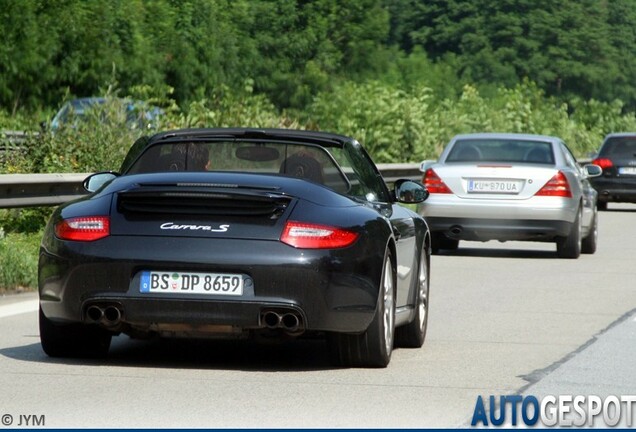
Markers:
point(556, 186)
point(433, 183)
point(312, 236)
point(83, 228)
point(603, 163)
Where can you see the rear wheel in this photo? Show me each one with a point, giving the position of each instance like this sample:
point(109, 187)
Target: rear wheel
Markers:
point(588, 246)
point(440, 241)
point(601, 205)
point(449, 244)
point(570, 246)
point(412, 335)
point(72, 340)
point(372, 348)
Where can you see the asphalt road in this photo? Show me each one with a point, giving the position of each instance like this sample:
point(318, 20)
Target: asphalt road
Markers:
point(506, 318)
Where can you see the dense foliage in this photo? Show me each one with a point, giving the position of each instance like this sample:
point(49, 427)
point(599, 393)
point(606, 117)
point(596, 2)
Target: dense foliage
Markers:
point(289, 49)
point(292, 49)
point(572, 48)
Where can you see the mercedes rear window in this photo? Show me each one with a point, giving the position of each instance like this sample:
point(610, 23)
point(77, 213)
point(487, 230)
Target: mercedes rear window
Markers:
point(498, 150)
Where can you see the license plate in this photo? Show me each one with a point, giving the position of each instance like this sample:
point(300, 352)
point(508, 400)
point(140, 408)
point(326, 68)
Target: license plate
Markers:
point(494, 186)
point(627, 170)
point(191, 283)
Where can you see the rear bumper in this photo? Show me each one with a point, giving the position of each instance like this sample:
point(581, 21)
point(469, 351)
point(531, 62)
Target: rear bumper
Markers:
point(329, 290)
point(538, 218)
point(499, 229)
point(615, 192)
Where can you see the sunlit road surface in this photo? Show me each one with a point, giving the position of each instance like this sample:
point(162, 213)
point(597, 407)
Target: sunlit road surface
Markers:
point(505, 318)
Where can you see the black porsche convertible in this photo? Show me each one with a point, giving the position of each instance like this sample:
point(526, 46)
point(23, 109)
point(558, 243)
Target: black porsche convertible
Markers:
point(237, 232)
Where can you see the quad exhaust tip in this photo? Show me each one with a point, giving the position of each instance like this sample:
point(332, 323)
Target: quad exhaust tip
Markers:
point(106, 315)
point(290, 322)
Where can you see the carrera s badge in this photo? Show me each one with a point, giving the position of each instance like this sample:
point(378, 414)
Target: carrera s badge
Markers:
point(173, 226)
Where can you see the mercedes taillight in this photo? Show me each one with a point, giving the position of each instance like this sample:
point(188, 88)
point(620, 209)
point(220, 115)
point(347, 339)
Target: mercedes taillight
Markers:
point(433, 183)
point(556, 186)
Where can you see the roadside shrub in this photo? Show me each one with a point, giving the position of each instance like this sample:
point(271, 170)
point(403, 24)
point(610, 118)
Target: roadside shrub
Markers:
point(19, 258)
point(24, 220)
point(229, 109)
point(96, 143)
point(392, 124)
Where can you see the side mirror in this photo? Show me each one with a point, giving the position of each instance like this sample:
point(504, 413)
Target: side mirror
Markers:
point(592, 170)
point(409, 191)
point(426, 164)
point(95, 181)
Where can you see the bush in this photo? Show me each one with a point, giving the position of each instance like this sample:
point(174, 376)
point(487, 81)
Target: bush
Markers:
point(392, 124)
point(19, 258)
point(24, 220)
point(409, 126)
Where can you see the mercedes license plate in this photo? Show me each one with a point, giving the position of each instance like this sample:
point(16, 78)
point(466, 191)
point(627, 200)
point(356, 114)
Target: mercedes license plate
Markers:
point(191, 283)
point(494, 186)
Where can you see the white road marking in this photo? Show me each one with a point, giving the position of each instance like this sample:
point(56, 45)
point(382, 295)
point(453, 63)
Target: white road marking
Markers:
point(18, 308)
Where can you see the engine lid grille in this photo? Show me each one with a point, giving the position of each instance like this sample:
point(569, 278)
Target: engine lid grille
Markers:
point(202, 200)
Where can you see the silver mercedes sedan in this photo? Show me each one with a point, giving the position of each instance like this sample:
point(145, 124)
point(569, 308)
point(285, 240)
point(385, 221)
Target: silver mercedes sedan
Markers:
point(495, 186)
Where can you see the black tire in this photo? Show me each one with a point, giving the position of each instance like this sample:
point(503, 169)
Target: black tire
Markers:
point(601, 205)
point(413, 334)
point(448, 244)
point(73, 340)
point(373, 347)
point(588, 246)
point(439, 241)
point(570, 246)
point(435, 242)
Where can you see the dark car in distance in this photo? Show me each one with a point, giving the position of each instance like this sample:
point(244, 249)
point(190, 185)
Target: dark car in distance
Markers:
point(235, 233)
point(134, 114)
point(617, 157)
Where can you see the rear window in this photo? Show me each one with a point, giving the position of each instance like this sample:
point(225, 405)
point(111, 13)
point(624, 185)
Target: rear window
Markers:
point(346, 170)
point(498, 150)
point(619, 147)
point(310, 162)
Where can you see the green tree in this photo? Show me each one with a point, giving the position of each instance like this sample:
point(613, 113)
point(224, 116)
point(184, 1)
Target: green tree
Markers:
point(622, 35)
point(23, 55)
point(303, 45)
point(566, 47)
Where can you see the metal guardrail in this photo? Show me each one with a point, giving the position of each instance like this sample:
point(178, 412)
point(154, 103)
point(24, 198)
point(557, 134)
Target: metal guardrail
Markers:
point(13, 142)
point(15, 137)
point(394, 171)
point(35, 190)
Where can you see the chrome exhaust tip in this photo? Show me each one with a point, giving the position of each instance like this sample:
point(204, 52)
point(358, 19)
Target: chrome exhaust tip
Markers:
point(95, 313)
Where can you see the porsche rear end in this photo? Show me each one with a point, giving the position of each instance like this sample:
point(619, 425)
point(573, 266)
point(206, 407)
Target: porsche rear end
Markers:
point(193, 258)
